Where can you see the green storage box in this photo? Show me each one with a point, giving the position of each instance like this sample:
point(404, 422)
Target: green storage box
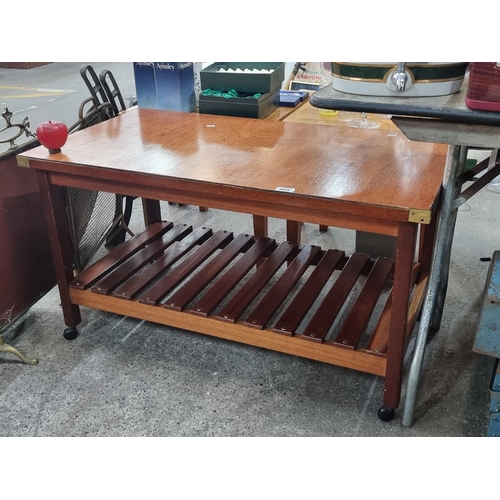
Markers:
point(246, 107)
point(264, 83)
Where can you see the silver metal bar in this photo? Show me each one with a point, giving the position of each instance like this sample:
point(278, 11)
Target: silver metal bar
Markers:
point(455, 164)
point(478, 184)
point(449, 230)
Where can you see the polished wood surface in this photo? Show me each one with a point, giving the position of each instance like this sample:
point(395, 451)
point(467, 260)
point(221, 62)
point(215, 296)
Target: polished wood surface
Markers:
point(257, 155)
point(284, 111)
point(305, 113)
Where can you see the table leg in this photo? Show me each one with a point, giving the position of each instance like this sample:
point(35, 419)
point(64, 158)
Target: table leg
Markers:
point(450, 231)
point(260, 230)
point(455, 164)
point(152, 212)
point(260, 226)
point(403, 279)
point(426, 245)
point(293, 230)
point(54, 205)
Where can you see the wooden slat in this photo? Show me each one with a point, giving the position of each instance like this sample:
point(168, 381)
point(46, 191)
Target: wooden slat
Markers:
point(181, 298)
point(227, 283)
point(131, 289)
point(237, 305)
point(335, 298)
point(296, 311)
point(359, 315)
point(177, 273)
point(270, 303)
point(380, 337)
point(122, 252)
point(123, 272)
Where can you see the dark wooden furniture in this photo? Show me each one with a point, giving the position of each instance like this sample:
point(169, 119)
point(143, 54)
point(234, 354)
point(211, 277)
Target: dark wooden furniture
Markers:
point(365, 180)
point(26, 268)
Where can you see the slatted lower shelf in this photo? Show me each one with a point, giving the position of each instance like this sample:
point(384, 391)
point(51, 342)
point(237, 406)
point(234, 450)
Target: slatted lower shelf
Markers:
point(314, 303)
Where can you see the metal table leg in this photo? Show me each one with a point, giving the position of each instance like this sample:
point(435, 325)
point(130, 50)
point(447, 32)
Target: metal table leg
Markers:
point(436, 288)
point(455, 187)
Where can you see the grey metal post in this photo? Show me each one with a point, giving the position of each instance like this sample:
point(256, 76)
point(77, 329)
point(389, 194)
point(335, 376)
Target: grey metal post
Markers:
point(436, 287)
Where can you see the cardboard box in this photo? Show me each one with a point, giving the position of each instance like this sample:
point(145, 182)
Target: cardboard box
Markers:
point(246, 107)
point(212, 78)
point(165, 85)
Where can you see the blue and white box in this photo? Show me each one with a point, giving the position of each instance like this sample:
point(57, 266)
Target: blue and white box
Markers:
point(145, 84)
point(175, 86)
point(173, 82)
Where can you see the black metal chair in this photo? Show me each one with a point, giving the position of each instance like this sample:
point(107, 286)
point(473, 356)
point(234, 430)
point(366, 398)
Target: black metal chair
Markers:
point(96, 89)
point(105, 90)
point(112, 91)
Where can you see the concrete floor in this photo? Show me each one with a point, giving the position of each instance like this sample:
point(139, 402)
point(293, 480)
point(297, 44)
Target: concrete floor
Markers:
point(126, 377)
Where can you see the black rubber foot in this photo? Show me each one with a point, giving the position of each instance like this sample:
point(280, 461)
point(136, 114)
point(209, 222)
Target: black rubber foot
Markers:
point(386, 414)
point(70, 333)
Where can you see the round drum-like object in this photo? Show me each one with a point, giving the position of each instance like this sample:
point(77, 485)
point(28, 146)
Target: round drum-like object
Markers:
point(376, 79)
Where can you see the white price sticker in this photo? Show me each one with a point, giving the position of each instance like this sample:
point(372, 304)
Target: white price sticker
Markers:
point(284, 189)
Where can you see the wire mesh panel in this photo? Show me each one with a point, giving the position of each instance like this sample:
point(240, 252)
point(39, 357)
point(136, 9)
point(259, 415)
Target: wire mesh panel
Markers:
point(93, 214)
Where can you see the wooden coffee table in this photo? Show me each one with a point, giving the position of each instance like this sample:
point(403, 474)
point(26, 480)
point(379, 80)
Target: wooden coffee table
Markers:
point(318, 303)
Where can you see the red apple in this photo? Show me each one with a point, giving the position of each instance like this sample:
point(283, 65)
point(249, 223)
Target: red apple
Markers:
point(52, 134)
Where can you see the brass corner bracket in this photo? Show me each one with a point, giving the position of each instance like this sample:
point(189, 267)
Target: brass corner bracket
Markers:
point(419, 216)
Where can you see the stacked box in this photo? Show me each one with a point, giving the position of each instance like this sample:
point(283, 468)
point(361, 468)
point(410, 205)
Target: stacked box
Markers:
point(165, 85)
point(212, 78)
point(267, 84)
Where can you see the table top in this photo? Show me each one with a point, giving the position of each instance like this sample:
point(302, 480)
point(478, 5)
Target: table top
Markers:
point(451, 108)
point(369, 167)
